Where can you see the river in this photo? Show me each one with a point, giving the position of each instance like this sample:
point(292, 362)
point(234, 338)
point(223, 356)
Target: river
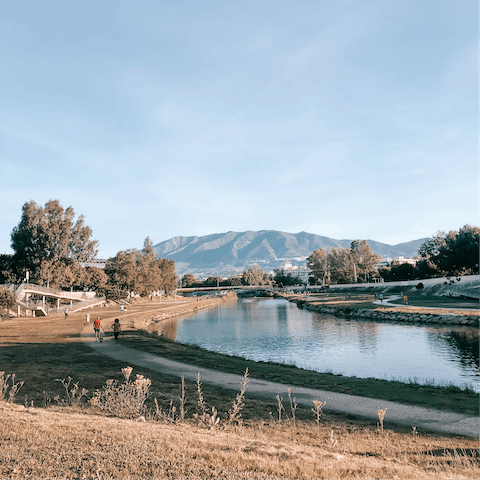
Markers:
point(277, 330)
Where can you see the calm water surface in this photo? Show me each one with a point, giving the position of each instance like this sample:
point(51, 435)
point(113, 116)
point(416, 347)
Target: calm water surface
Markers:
point(278, 330)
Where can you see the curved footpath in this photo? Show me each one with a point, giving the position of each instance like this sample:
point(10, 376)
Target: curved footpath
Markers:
point(438, 420)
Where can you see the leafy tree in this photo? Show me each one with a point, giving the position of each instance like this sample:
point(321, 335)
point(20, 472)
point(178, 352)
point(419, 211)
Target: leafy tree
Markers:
point(188, 280)
point(459, 254)
point(367, 260)
point(95, 278)
point(281, 277)
point(234, 281)
point(6, 269)
point(48, 241)
point(252, 276)
point(397, 271)
point(169, 277)
point(211, 281)
point(342, 265)
point(122, 270)
point(317, 262)
point(141, 272)
point(431, 247)
point(454, 253)
point(7, 298)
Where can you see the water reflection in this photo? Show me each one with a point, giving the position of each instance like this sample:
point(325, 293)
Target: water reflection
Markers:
point(277, 330)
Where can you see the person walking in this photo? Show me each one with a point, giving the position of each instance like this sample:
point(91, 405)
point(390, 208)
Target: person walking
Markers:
point(96, 328)
point(116, 329)
point(66, 312)
point(87, 316)
point(405, 300)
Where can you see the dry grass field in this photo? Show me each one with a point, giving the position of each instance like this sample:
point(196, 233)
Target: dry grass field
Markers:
point(69, 444)
point(86, 441)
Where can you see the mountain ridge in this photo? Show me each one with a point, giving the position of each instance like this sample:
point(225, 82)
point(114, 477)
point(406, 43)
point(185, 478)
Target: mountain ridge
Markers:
point(231, 252)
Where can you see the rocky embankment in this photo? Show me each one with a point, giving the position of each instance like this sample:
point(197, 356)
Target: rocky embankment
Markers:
point(392, 315)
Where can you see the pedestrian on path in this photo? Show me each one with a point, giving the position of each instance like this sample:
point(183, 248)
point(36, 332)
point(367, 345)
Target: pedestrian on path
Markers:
point(66, 312)
point(116, 329)
point(87, 316)
point(96, 328)
point(122, 309)
point(405, 300)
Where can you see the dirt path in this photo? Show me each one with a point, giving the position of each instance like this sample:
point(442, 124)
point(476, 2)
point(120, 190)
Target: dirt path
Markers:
point(413, 416)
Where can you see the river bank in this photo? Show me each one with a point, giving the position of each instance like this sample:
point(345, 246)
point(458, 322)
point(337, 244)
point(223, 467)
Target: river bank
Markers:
point(152, 321)
point(389, 313)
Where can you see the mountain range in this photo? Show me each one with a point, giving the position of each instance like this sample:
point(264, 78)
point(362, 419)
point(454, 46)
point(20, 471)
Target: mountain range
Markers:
point(230, 253)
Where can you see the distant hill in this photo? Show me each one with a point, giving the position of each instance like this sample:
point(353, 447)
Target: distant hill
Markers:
point(228, 253)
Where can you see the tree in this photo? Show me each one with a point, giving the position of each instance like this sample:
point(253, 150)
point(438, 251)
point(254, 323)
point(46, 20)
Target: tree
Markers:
point(459, 254)
point(367, 260)
point(188, 280)
point(48, 241)
point(253, 275)
point(122, 270)
point(169, 277)
point(454, 253)
point(281, 277)
point(343, 265)
point(234, 281)
point(141, 272)
point(397, 271)
point(6, 269)
point(317, 262)
point(7, 298)
point(340, 265)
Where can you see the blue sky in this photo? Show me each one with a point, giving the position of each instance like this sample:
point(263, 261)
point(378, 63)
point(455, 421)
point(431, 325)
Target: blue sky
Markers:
point(349, 119)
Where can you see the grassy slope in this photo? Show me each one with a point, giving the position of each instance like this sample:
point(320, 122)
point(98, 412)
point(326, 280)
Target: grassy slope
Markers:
point(68, 443)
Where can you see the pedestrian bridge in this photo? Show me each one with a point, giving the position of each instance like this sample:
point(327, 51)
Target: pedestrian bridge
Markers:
point(32, 298)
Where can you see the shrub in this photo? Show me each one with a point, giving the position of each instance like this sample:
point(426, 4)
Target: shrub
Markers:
point(419, 286)
point(126, 400)
point(14, 387)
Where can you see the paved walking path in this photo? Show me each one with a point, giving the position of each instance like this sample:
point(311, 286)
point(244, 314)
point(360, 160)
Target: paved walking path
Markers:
point(410, 415)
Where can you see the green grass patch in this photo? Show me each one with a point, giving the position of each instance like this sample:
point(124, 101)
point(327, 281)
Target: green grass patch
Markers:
point(439, 302)
point(449, 398)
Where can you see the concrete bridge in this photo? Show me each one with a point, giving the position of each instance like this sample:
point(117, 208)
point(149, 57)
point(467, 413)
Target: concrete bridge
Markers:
point(77, 300)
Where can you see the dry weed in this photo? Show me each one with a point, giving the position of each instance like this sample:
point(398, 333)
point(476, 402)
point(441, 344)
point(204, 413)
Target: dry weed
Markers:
point(234, 414)
point(381, 416)
point(14, 387)
point(125, 400)
point(74, 394)
point(317, 410)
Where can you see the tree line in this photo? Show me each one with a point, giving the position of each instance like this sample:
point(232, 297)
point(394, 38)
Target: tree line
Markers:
point(50, 246)
point(253, 275)
point(344, 265)
point(454, 253)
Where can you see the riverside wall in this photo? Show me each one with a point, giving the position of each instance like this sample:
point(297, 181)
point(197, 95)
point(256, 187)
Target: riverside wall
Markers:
point(384, 314)
point(148, 321)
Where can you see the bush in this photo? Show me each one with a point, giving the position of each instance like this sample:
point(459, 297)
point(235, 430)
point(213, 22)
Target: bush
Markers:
point(126, 400)
point(419, 286)
point(4, 386)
